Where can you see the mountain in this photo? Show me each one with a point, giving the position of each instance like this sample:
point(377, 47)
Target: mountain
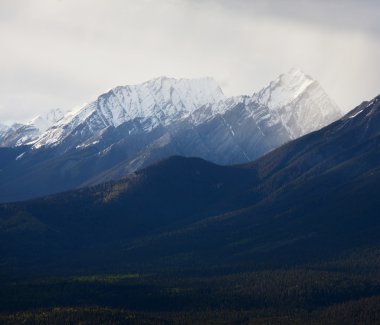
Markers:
point(291, 238)
point(295, 98)
point(300, 101)
point(44, 122)
point(130, 127)
point(3, 129)
point(315, 192)
point(161, 101)
point(23, 134)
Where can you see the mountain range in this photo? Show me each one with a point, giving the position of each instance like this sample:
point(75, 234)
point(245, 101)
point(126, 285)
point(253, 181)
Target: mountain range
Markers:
point(289, 238)
point(130, 127)
point(315, 197)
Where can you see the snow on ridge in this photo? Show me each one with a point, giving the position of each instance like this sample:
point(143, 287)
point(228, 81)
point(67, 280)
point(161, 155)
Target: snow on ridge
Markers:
point(3, 127)
point(43, 122)
point(285, 89)
point(355, 114)
point(154, 97)
point(163, 101)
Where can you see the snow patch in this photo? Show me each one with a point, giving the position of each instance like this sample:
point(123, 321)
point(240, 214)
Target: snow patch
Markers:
point(356, 113)
point(20, 156)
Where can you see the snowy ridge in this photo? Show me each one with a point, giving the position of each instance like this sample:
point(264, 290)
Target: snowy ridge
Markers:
point(209, 111)
point(300, 102)
point(366, 109)
point(294, 100)
point(162, 100)
point(43, 122)
point(285, 89)
point(26, 134)
point(130, 127)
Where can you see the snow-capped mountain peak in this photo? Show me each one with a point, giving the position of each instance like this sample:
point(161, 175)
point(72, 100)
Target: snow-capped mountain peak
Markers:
point(161, 100)
point(19, 134)
point(201, 90)
point(43, 122)
point(172, 95)
point(285, 89)
point(129, 127)
point(294, 100)
point(299, 101)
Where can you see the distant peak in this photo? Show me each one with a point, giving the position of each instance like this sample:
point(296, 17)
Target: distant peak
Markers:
point(208, 85)
point(43, 122)
point(283, 90)
point(295, 76)
point(297, 72)
point(171, 80)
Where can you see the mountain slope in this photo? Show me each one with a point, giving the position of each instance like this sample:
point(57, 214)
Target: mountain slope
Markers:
point(130, 127)
point(291, 238)
point(300, 101)
point(295, 98)
point(314, 198)
point(20, 134)
point(160, 101)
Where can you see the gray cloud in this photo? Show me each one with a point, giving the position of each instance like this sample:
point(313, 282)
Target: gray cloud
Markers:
point(63, 53)
point(351, 15)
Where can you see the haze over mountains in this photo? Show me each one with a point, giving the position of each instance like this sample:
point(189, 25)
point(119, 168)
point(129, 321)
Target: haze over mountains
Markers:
point(130, 127)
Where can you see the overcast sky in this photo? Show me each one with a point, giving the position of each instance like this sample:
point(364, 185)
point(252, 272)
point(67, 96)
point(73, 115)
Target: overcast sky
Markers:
point(62, 53)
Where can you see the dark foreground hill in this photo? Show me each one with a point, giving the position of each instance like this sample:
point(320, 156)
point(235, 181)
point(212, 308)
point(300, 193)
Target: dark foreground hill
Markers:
point(290, 238)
